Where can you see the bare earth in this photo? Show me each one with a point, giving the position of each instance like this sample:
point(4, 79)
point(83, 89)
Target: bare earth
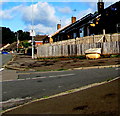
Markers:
point(23, 62)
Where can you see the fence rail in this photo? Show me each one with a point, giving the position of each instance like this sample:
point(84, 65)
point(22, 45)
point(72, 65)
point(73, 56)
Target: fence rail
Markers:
point(76, 49)
point(91, 39)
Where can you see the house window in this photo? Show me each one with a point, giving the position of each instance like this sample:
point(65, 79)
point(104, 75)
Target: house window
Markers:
point(118, 27)
point(81, 32)
point(74, 35)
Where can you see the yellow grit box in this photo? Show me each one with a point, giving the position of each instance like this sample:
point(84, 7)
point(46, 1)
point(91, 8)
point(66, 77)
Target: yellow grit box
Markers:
point(93, 53)
point(92, 56)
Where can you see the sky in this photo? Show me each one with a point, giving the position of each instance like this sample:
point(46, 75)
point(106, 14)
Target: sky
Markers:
point(44, 15)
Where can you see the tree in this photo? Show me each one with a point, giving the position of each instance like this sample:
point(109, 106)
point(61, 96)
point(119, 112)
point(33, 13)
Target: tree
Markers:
point(24, 35)
point(26, 44)
point(8, 36)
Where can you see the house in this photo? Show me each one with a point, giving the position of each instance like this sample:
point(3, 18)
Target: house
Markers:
point(39, 39)
point(107, 19)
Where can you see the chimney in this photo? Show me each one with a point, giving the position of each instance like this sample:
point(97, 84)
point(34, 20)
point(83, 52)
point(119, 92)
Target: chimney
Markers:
point(100, 6)
point(73, 19)
point(58, 26)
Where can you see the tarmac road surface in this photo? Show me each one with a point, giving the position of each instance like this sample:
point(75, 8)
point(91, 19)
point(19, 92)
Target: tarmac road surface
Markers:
point(38, 84)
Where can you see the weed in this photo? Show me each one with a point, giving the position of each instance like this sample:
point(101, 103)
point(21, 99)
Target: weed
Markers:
point(109, 79)
point(114, 56)
point(69, 91)
point(53, 70)
point(61, 69)
point(45, 96)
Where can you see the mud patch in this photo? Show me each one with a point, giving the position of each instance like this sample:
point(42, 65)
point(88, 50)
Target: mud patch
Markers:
point(81, 107)
point(109, 95)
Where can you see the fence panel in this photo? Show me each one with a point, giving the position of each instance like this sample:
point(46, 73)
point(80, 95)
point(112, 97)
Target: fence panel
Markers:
point(112, 47)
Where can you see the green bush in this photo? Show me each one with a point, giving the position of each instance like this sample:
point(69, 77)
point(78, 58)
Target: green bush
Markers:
point(114, 56)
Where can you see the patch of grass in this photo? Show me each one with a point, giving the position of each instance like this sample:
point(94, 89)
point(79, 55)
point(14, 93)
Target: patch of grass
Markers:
point(43, 70)
point(114, 56)
point(105, 56)
point(2, 111)
point(53, 70)
point(27, 68)
point(69, 91)
point(61, 69)
point(45, 96)
point(110, 79)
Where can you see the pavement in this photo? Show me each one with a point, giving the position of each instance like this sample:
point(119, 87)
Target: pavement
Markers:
point(5, 58)
point(8, 75)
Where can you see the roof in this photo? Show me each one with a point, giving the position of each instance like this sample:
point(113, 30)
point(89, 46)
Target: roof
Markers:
point(67, 27)
point(59, 30)
point(40, 37)
point(81, 21)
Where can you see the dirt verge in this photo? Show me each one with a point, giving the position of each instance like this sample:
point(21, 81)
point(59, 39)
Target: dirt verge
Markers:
point(24, 62)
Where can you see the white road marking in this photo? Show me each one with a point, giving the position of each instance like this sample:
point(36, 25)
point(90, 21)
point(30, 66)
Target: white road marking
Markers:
point(59, 86)
point(13, 100)
point(40, 77)
point(1, 69)
point(62, 75)
point(33, 78)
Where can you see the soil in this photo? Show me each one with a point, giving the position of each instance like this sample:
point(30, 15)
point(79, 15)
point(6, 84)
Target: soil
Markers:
point(25, 62)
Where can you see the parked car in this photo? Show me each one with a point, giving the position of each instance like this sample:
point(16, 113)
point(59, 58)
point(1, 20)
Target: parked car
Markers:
point(5, 52)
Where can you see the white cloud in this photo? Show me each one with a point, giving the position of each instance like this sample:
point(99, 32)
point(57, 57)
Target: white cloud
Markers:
point(9, 14)
point(41, 29)
point(61, 0)
point(43, 13)
point(5, 15)
point(65, 10)
point(43, 16)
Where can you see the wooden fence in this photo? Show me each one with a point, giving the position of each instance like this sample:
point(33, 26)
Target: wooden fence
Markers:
point(76, 49)
point(91, 39)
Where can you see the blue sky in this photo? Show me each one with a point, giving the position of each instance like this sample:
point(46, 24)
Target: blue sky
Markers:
point(46, 15)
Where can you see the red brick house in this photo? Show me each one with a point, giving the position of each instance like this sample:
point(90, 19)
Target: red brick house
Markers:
point(39, 39)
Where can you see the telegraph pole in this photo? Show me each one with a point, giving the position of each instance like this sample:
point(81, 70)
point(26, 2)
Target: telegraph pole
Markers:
point(32, 33)
point(17, 41)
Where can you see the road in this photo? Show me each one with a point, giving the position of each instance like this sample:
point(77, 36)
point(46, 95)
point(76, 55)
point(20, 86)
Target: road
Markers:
point(37, 85)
